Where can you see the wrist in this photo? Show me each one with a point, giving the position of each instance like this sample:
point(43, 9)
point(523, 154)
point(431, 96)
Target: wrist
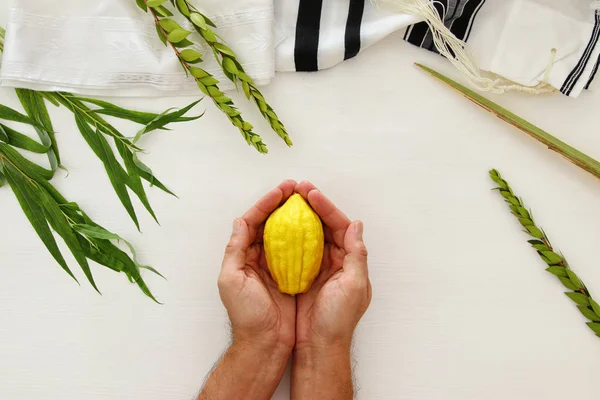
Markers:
point(261, 349)
point(323, 372)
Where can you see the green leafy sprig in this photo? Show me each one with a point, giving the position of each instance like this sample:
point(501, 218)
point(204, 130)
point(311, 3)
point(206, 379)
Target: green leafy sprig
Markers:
point(557, 264)
point(47, 209)
point(230, 65)
point(175, 36)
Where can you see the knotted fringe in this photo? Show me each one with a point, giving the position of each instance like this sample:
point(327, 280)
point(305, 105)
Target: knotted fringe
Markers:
point(457, 51)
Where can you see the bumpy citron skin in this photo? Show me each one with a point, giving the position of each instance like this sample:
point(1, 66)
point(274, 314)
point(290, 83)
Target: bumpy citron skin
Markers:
point(294, 241)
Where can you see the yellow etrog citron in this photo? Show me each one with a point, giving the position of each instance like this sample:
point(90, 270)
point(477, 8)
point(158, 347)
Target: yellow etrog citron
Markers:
point(294, 242)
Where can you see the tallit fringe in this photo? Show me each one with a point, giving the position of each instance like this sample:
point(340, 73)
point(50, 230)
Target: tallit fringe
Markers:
point(457, 51)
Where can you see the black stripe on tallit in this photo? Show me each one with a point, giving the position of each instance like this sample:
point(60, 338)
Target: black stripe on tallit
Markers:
point(594, 72)
point(461, 28)
point(352, 38)
point(576, 73)
point(307, 35)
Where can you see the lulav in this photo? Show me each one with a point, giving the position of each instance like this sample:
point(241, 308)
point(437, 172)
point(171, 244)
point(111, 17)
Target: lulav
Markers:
point(557, 264)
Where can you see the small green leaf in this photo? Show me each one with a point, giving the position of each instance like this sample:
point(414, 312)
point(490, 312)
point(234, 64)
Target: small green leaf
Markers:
point(553, 257)
point(541, 247)
point(162, 11)
point(209, 36)
point(525, 222)
point(160, 34)
point(198, 20)
point(169, 25)
point(155, 3)
point(141, 4)
point(595, 306)
point(230, 65)
point(558, 271)
point(183, 7)
point(190, 55)
point(574, 278)
point(209, 81)
point(534, 231)
point(183, 43)
point(198, 73)
point(225, 49)
point(177, 35)
point(568, 284)
point(595, 327)
point(589, 314)
point(579, 298)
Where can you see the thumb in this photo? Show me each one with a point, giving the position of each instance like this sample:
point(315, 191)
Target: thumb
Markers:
point(235, 252)
point(355, 261)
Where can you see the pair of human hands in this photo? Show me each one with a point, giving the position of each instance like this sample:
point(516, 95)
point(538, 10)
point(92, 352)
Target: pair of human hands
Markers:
point(328, 313)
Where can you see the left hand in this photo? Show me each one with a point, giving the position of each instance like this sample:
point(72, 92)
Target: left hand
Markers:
point(260, 315)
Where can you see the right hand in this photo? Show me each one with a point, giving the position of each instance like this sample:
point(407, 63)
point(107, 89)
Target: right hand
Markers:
point(329, 312)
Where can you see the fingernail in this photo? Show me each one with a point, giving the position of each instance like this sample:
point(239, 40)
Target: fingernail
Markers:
point(236, 225)
point(358, 228)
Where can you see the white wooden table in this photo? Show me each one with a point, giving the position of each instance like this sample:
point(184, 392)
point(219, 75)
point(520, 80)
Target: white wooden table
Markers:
point(462, 307)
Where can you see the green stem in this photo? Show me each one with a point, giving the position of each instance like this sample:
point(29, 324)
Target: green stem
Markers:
point(570, 153)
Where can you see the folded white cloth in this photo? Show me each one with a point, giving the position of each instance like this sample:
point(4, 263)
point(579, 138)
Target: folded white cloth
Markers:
point(110, 47)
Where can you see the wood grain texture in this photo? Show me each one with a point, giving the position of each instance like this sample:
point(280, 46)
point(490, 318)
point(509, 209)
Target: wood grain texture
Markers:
point(462, 307)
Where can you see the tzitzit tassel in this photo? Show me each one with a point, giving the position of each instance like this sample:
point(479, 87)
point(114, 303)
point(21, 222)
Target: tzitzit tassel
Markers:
point(457, 51)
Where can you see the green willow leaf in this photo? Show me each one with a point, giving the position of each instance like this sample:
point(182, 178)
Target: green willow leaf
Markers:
point(161, 120)
point(96, 232)
point(27, 167)
point(60, 224)
point(575, 279)
point(21, 141)
point(10, 114)
point(34, 213)
point(589, 314)
point(134, 182)
point(3, 134)
point(116, 174)
point(147, 174)
point(35, 107)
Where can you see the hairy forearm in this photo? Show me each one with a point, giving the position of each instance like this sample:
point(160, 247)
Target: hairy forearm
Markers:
point(246, 372)
point(322, 373)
